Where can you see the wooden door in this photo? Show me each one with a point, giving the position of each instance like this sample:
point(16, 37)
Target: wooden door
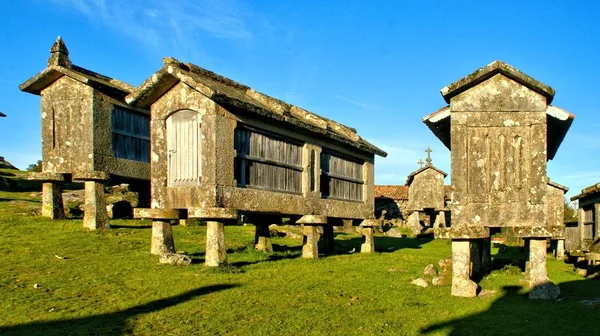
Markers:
point(184, 148)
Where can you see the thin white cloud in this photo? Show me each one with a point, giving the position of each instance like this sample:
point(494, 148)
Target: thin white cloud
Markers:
point(354, 102)
point(174, 24)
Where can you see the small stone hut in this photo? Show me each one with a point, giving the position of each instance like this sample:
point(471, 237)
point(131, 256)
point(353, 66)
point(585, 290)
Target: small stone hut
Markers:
point(426, 196)
point(586, 236)
point(501, 130)
point(556, 215)
point(222, 151)
point(89, 134)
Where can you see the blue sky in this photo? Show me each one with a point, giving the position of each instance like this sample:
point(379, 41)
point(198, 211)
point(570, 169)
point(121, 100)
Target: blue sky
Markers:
point(377, 66)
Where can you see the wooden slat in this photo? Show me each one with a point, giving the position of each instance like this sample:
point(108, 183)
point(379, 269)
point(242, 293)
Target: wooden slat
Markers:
point(341, 178)
point(130, 135)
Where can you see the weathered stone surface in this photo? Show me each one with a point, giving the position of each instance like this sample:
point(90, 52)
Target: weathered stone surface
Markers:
point(464, 232)
point(144, 213)
point(560, 249)
point(213, 213)
point(91, 176)
point(461, 268)
point(426, 189)
point(52, 201)
point(216, 251)
point(310, 248)
point(312, 220)
point(46, 177)
point(393, 232)
point(420, 282)
point(262, 238)
point(95, 216)
point(175, 259)
point(430, 270)
point(162, 238)
point(414, 223)
point(540, 287)
point(368, 240)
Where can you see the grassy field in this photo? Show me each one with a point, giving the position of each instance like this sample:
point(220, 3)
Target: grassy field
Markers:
point(56, 279)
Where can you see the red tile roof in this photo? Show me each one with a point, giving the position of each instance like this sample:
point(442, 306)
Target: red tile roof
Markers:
point(396, 192)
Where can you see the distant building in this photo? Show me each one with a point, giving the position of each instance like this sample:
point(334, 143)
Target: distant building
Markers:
point(586, 235)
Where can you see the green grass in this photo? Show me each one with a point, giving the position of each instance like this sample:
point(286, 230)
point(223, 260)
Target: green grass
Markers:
point(109, 283)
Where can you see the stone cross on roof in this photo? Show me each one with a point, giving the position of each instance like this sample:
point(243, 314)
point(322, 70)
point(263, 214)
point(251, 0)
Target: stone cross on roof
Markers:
point(420, 162)
point(428, 160)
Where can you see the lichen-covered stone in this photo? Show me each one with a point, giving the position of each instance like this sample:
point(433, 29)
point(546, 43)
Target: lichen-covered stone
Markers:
point(216, 250)
point(368, 240)
point(52, 201)
point(162, 238)
point(175, 259)
point(95, 215)
point(310, 248)
point(462, 285)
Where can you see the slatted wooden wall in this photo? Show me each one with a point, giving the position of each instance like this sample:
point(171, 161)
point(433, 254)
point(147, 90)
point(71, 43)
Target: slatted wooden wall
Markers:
point(184, 149)
point(267, 161)
point(130, 135)
point(589, 227)
point(341, 178)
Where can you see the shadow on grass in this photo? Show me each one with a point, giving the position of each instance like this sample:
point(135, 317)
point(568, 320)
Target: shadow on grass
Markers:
point(514, 314)
point(121, 226)
point(383, 244)
point(110, 323)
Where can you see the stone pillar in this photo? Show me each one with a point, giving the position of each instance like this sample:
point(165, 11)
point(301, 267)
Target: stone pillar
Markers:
point(540, 287)
point(310, 249)
point(162, 237)
point(461, 267)
point(328, 239)
point(560, 249)
point(486, 255)
point(262, 238)
point(368, 241)
point(52, 201)
point(216, 251)
point(476, 260)
point(95, 215)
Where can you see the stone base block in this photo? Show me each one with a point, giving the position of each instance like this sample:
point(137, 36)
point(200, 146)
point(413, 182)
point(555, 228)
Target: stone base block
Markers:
point(95, 215)
point(213, 213)
point(464, 288)
point(310, 249)
point(368, 240)
point(262, 238)
point(544, 291)
point(216, 250)
point(159, 214)
point(312, 219)
point(162, 238)
point(52, 201)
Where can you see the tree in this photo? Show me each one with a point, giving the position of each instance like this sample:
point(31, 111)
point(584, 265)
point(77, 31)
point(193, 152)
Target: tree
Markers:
point(36, 167)
point(570, 212)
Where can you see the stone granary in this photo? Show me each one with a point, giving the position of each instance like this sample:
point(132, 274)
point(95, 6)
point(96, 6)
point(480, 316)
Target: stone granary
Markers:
point(556, 215)
point(222, 151)
point(586, 236)
point(426, 196)
point(89, 134)
point(501, 130)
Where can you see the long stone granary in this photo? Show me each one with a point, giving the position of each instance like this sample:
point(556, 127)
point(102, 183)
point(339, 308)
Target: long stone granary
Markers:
point(501, 130)
point(222, 151)
point(89, 134)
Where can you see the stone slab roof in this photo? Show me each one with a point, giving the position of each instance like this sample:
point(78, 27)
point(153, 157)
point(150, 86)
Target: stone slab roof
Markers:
point(2, 114)
point(412, 175)
point(490, 70)
point(558, 186)
point(558, 120)
point(229, 93)
point(59, 65)
point(588, 191)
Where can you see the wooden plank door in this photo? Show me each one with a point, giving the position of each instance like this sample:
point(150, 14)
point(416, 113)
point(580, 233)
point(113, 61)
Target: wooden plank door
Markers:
point(184, 148)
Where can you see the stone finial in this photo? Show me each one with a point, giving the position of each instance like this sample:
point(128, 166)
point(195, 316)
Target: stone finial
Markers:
point(428, 160)
point(59, 54)
point(420, 163)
